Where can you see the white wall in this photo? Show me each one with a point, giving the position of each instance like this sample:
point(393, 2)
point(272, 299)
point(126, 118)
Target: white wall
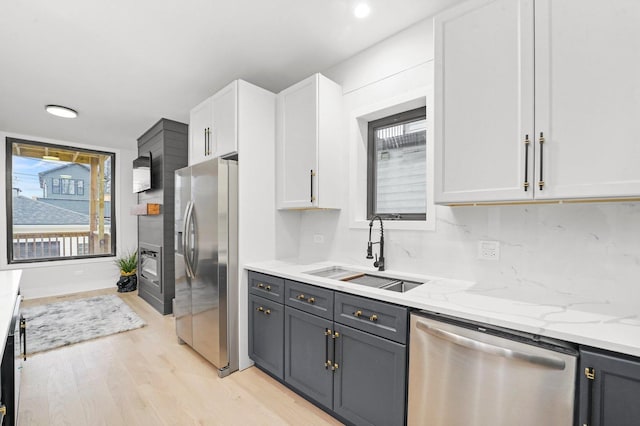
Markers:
point(590, 249)
point(72, 276)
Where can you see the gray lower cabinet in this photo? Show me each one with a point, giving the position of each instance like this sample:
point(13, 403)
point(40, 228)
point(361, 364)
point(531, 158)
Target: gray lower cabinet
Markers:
point(308, 346)
point(339, 353)
point(609, 389)
point(370, 381)
point(266, 337)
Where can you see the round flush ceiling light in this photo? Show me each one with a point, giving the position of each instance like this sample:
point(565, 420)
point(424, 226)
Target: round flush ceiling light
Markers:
point(61, 111)
point(362, 10)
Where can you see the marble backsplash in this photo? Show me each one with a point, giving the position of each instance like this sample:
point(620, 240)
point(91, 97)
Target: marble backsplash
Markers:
point(580, 251)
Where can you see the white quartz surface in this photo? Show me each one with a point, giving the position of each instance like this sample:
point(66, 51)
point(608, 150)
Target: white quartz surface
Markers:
point(527, 308)
point(9, 288)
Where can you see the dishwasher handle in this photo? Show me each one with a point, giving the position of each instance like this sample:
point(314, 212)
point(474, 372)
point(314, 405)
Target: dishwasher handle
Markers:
point(549, 362)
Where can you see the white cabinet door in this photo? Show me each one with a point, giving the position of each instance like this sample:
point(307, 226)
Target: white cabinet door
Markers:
point(297, 144)
point(308, 147)
point(225, 120)
point(587, 101)
point(484, 102)
point(200, 122)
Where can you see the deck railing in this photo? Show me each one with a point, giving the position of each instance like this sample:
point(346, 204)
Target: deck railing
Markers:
point(55, 244)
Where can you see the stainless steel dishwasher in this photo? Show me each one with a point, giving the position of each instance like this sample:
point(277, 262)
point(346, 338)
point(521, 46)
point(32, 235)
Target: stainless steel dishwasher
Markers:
point(464, 373)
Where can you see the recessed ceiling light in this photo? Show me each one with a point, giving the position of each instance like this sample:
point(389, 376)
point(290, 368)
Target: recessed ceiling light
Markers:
point(362, 10)
point(61, 111)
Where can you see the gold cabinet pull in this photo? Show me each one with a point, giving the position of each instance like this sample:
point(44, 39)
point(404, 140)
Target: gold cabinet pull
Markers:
point(311, 300)
point(268, 288)
point(301, 297)
point(260, 309)
point(267, 312)
point(260, 285)
point(336, 335)
point(373, 318)
point(357, 313)
point(328, 364)
point(334, 367)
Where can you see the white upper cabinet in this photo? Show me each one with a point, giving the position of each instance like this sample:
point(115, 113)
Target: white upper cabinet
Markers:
point(225, 120)
point(200, 123)
point(587, 101)
point(308, 144)
point(216, 125)
point(577, 76)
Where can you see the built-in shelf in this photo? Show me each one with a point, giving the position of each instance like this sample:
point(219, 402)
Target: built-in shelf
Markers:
point(145, 209)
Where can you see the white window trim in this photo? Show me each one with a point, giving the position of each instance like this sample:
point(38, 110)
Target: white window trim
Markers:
point(358, 127)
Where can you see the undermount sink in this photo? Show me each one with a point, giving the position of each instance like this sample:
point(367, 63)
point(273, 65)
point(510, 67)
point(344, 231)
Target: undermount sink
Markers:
point(376, 281)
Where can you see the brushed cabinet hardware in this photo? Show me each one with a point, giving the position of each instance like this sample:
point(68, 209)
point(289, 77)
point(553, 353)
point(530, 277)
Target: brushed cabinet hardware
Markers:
point(264, 311)
point(311, 300)
point(334, 367)
point(260, 285)
point(590, 373)
point(541, 142)
point(526, 162)
point(373, 318)
point(301, 297)
point(357, 313)
point(327, 333)
point(311, 175)
point(3, 410)
point(336, 335)
point(268, 288)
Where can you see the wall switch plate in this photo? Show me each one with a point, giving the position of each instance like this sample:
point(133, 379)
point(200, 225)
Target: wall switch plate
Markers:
point(318, 238)
point(489, 250)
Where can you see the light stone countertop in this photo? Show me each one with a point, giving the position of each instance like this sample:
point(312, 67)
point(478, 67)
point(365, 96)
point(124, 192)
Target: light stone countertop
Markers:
point(523, 308)
point(9, 288)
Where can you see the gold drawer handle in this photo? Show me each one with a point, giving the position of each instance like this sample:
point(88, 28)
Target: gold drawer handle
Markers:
point(268, 288)
point(373, 318)
point(267, 312)
point(311, 300)
point(260, 285)
point(334, 367)
point(301, 297)
point(357, 313)
point(260, 309)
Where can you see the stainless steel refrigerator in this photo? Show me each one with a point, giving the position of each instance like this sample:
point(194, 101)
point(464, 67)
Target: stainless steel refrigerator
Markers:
point(206, 261)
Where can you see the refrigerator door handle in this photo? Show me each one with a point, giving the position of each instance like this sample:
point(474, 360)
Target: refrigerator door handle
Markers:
point(193, 221)
point(549, 362)
point(186, 240)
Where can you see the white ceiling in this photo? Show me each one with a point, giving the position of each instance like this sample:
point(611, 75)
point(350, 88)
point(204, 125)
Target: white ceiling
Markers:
point(124, 64)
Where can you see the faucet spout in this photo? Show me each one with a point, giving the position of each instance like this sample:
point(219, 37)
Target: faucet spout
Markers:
point(379, 263)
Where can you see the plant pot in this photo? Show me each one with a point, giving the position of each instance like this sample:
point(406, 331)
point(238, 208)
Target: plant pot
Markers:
point(128, 282)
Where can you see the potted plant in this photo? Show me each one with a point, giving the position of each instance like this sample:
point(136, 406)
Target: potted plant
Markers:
point(128, 265)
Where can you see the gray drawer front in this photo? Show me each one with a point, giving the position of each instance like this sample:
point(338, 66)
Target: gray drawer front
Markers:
point(379, 318)
point(309, 298)
point(266, 286)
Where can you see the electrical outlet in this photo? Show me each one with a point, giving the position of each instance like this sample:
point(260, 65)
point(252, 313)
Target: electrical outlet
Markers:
point(318, 238)
point(489, 250)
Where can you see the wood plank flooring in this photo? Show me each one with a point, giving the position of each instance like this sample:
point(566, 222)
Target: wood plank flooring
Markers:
point(144, 377)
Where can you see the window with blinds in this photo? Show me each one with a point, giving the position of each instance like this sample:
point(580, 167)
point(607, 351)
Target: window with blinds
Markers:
point(397, 166)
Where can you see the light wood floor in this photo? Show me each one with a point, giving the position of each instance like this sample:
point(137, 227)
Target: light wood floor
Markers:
point(144, 377)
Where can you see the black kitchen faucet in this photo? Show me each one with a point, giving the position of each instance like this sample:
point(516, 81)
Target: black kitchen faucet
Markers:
point(379, 263)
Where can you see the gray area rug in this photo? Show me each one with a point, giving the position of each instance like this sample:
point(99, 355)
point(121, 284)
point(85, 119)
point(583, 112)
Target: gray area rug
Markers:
point(64, 323)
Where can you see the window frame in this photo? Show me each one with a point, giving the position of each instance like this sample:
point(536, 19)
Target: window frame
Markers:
point(416, 114)
point(9, 141)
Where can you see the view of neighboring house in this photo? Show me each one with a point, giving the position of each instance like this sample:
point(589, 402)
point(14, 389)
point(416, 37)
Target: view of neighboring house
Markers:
point(58, 223)
point(67, 186)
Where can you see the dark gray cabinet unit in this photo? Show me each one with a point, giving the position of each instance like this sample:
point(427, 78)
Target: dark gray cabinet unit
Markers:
point(167, 143)
point(308, 354)
point(345, 353)
point(266, 346)
point(609, 389)
point(370, 380)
